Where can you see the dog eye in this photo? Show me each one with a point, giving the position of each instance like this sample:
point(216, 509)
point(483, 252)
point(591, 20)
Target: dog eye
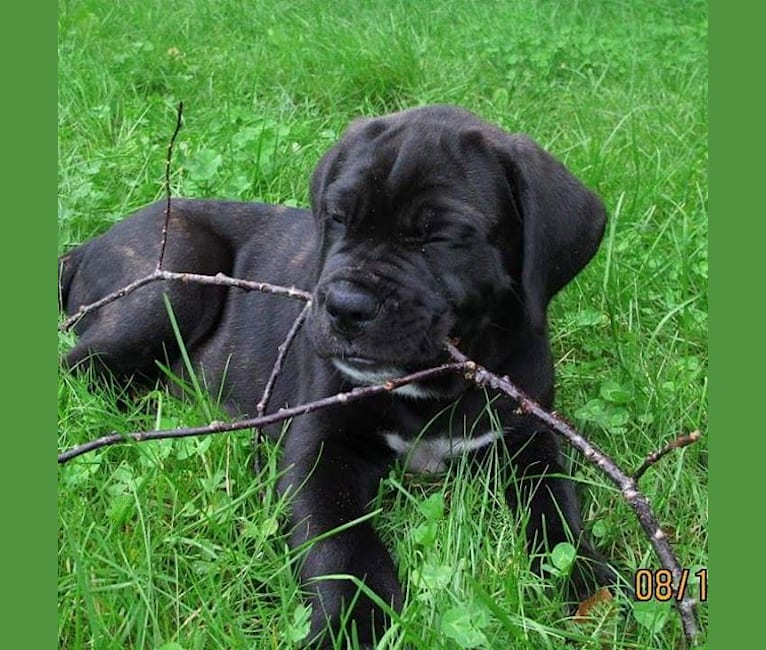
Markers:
point(419, 232)
point(415, 235)
point(337, 217)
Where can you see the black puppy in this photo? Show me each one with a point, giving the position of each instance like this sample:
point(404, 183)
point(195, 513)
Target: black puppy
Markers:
point(427, 224)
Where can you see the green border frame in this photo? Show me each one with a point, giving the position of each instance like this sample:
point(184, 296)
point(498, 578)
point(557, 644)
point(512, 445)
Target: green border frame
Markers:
point(736, 242)
point(28, 52)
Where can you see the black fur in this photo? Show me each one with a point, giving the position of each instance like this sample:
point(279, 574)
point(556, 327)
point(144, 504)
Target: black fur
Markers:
point(426, 223)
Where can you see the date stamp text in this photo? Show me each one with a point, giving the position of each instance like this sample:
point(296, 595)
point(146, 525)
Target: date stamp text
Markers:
point(657, 584)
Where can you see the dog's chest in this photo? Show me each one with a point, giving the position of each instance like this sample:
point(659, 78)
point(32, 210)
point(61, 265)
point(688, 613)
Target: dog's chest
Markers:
point(430, 455)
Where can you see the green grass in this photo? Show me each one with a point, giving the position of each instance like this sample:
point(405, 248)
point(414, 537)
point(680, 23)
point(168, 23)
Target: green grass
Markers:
point(178, 542)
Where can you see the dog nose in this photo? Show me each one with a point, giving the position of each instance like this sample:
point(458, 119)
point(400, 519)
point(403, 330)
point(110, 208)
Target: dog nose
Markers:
point(350, 306)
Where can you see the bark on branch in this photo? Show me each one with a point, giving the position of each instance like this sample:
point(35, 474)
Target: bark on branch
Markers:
point(281, 415)
point(651, 459)
point(218, 279)
point(168, 193)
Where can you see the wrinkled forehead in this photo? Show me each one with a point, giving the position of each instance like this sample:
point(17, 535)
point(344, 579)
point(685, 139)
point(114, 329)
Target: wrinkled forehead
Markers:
point(392, 161)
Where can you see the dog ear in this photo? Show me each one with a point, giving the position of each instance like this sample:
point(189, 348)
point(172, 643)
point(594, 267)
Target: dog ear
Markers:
point(563, 221)
point(320, 176)
point(361, 130)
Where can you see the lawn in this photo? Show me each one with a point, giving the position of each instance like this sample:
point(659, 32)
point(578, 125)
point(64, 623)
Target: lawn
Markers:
point(179, 545)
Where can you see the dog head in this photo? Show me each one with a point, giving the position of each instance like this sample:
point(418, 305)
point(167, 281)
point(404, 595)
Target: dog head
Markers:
point(435, 224)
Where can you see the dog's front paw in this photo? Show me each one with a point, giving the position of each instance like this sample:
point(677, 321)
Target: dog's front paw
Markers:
point(353, 591)
point(340, 610)
point(590, 573)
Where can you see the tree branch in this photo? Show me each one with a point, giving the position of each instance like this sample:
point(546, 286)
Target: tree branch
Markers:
point(276, 369)
point(686, 606)
point(218, 279)
point(168, 160)
point(651, 459)
point(339, 399)
point(281, 354)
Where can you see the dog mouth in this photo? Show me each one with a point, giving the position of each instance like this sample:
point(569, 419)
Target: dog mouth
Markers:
point(366, 371)
point(363, 371)
point(359, 362)
point(369, 349)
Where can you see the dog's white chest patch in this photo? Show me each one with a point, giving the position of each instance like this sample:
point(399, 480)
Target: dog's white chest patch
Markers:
point(430, 455)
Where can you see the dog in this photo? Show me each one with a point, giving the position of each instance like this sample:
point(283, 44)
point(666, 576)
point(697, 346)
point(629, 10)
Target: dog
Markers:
point(425, 225)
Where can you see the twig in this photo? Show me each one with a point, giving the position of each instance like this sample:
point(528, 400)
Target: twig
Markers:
point(168, 160)
point(281, 354)
point(651, 459)
point(276, 369)
point(281, 415)
point(686, 606)
point(218, 279)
